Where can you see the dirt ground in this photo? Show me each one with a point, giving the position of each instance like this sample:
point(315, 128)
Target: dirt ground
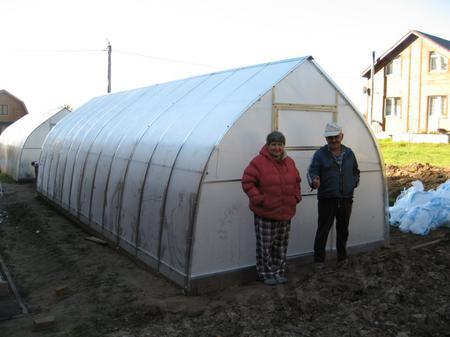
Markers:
point(92, 290)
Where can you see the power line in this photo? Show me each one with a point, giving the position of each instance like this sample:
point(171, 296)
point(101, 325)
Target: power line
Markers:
point(117, 51)
point(61, 50)
point(167, 59)
point(109, 51)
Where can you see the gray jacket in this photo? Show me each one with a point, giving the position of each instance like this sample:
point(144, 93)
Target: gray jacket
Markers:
point(335, 181)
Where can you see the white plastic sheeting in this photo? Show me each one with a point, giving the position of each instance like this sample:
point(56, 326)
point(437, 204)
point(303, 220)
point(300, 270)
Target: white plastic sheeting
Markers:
point(418, 211)
point(21, 142)
point(158, 169)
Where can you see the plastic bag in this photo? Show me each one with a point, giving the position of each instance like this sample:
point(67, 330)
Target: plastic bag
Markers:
point(418, 211)
point(402, 203)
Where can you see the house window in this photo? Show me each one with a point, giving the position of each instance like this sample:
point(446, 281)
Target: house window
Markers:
point(393, 106)
point(437, 106)
point(3, 109)
point(438, 62)
point(395, 67)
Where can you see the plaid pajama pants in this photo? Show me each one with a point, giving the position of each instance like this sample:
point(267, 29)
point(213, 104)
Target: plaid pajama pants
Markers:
point(272, 238)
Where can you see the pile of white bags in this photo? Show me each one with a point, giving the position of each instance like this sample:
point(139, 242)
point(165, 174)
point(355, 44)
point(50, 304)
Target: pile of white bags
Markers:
point(419, 211)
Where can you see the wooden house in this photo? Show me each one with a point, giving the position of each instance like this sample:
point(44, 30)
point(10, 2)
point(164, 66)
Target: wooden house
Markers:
point(11, 109)
point(409, 92)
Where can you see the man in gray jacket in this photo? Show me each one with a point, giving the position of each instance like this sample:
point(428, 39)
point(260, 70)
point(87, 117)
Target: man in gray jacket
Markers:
point(334, 172)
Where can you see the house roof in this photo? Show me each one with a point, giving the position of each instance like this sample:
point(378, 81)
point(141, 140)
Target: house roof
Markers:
point(402, 44)
point(3, 91)
point(438, 40)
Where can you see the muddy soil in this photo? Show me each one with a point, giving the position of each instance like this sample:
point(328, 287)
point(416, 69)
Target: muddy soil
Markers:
point(92, 290)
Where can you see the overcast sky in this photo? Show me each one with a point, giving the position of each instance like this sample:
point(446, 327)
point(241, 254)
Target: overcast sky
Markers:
point(53, 52)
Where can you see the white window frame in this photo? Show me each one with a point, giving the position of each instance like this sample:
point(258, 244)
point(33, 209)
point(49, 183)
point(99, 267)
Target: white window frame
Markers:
point(438, 62)
point(437, 106)
point(394, 67)
point(393, 107)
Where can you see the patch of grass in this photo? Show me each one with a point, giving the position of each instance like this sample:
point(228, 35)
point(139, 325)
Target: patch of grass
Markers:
point(403, 153)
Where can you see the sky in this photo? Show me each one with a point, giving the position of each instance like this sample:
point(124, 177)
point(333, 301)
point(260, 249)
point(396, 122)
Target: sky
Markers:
point(53, 52)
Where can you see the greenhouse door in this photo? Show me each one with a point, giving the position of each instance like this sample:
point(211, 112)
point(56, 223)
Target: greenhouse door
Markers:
point(303, 127)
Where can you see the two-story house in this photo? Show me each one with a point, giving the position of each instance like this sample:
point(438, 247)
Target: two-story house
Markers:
point(11, 109)
point(410, 90)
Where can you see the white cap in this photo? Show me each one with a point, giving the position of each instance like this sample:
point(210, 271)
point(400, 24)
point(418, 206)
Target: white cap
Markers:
point(332, 129)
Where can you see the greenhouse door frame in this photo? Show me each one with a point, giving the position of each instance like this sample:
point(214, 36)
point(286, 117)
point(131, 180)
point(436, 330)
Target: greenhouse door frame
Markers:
point(277, 109)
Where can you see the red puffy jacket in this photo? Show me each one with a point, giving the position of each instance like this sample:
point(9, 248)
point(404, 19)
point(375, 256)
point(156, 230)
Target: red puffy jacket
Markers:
point(273, 186)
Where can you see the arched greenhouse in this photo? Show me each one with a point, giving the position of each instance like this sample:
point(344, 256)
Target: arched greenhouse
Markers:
point(158, 170)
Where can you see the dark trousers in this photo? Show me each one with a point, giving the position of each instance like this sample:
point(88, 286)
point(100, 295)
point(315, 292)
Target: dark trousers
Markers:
point(329, 209)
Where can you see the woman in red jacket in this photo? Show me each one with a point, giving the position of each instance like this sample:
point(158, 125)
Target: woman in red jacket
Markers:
point(272, 184)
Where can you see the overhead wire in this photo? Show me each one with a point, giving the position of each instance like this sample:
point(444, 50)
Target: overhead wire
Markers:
point(160, 58)
point(167, 59)
point(61, 50)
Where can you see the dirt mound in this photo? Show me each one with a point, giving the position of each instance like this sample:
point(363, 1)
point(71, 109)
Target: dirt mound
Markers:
point(400, 177)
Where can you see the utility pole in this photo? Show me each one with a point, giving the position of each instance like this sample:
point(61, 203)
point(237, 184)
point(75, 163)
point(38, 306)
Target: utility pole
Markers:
point(372, 87)
point(109, 49)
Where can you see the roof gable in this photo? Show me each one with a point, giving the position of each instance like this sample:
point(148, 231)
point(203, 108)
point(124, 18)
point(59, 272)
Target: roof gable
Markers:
point(5, 92)
point(438, 40)
point(401, 45)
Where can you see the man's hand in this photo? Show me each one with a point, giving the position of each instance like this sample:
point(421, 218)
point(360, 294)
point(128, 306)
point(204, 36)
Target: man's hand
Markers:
point(316, 182)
